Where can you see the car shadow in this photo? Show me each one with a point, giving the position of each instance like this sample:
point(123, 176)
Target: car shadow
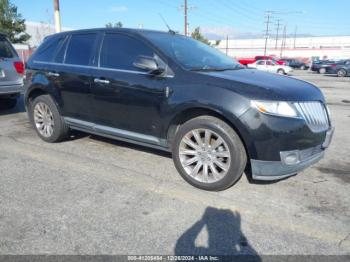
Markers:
point(19, 108)
point(224, 237)
point(132, 146)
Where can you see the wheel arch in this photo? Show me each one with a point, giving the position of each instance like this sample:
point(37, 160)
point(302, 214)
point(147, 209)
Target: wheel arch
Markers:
point(38, 90)
point(192, 112)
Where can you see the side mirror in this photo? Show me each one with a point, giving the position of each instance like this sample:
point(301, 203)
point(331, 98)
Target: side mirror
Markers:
point(149, 64)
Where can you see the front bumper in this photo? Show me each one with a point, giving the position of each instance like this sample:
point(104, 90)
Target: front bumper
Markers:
point(11, 89)
point(274, 170)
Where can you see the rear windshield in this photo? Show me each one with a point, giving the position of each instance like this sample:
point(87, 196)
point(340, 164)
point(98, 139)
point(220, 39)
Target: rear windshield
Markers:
point(6, 50)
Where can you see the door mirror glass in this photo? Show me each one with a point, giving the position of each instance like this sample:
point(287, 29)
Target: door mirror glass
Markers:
point(149, 64)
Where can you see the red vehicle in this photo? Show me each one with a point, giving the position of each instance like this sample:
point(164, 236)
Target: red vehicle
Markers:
point(246, 61)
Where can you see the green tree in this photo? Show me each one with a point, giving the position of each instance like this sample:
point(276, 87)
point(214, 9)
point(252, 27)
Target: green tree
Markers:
point(12, 23)
point(196, 34)
point(116, 25)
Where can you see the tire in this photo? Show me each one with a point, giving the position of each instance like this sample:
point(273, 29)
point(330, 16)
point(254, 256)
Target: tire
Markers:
point(281, 72)
point(341, 72)
point(8, 103)
point(230, 154)
point(60, 129)
point(322, 70)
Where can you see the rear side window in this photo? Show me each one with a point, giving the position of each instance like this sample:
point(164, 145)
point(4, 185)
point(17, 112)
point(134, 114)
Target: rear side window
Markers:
point(47, 50)
point(6, 50)
point(80, 49)
point(120, 51)
point(59, 57)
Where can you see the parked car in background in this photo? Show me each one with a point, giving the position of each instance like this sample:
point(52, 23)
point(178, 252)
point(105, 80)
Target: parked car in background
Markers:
point(271, 66)
point(295, 63)
point(174, 93)
point(247, 61)
point(319, 65)
point(11, 74)
point(340, 68)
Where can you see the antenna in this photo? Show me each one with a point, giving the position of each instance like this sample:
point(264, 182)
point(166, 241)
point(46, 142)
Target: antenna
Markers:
point(170, 31)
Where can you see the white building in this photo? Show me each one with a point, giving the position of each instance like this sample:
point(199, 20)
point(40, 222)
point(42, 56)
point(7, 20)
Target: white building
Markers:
point(332, 47)
point(39, 30)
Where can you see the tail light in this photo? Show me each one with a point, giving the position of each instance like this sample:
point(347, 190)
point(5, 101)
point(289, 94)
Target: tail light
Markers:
point(19, 66)
point(333, 65)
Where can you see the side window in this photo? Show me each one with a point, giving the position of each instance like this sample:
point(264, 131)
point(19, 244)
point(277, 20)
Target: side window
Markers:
point(6, 50)
point(47, 51)
point(80, 49)
point(61, 51)
point(120, 51)
point(261, 63)
point(269, 63)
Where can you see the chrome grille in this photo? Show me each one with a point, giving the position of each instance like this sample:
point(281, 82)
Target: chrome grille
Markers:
point(315, 115)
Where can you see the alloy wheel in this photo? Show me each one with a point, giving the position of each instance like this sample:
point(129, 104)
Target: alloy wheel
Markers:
point(204, 155)
point(43, 119)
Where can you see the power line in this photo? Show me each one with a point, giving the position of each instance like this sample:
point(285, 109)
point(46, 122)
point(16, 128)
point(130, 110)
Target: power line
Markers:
point(277, 31)
point(267, 31)
point(283, 44)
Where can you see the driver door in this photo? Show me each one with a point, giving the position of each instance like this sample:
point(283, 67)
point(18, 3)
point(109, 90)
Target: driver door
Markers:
point(125, 97)
point(270, 67)
point(261, 65)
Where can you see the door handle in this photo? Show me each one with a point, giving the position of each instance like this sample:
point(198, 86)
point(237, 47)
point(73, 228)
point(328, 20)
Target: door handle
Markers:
point(53, 74)
point(101, 81)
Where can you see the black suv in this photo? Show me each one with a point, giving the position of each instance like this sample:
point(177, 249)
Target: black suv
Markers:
point(295, 63)
point(171, 92)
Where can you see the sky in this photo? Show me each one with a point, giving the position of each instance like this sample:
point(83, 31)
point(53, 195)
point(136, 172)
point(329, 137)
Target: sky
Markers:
point(217, 18)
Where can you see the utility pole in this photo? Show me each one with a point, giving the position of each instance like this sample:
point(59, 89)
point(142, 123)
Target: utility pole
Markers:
point(295, 35)
point(57, 15)
point(268, 13)
point(283, 45)
point(226, 44)
point(277, 31)
point(185, 16)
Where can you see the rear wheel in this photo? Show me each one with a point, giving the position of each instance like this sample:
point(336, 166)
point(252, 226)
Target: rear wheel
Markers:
point(281, 72)
point(8, 103)
point(46, 120)
point(341, 73)
point(322, 70)
point(208, 153)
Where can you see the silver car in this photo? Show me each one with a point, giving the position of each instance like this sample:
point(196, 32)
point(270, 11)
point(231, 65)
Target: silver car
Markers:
point(11, 74)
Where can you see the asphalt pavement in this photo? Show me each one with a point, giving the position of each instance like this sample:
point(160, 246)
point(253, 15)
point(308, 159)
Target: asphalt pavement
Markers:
point(91, 195)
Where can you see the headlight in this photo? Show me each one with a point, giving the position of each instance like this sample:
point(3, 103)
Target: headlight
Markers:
point(279, 108)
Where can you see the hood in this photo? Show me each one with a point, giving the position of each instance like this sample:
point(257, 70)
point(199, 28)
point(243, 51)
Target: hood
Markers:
point(265, 86)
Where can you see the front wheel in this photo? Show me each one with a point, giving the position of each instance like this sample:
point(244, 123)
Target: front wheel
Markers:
point(341, 73)
point(208, 153)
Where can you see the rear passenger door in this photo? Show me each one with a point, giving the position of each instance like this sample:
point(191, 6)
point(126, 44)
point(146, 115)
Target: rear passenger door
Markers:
point(71, 73)
point(126, 97)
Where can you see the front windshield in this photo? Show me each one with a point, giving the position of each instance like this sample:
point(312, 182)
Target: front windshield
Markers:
point(192, 54)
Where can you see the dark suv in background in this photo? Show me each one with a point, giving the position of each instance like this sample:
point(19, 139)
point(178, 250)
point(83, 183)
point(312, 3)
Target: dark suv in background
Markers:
point(11, 74)
point(173, 93)
point(295, 63)
point(340, 68)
